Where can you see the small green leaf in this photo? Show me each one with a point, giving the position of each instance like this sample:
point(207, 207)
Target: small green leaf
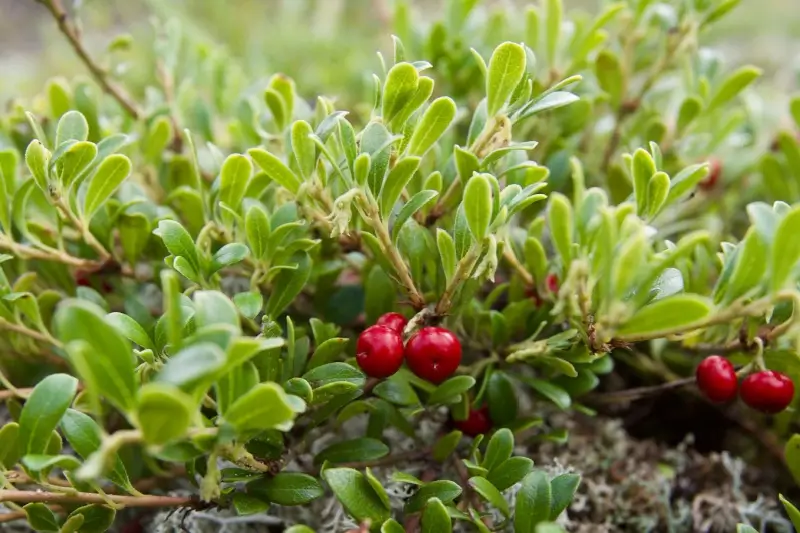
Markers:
point(396, 182)
point(304, 148)
point(400, 87)
point(134, 234)
point(689, 110)
point(435, 518)
point(37, 157)
point(333, 373)
point(563, 489)
point(686, 180)
point(378, 488)
point(249, 304)
point(106, 180)
point(785, 250)
point(43, 410)
point(533, 502)
point(791, 510)
point(552, 392)
point(751, 266)
point(490, 493)
point(561, 222)
point(643, 169)
point(417, 202)
point(477, 205)
point(275, 169)
point(10, 452)
point(361, 449)
point(266, 406)
point(505, 71)
point(675, 314)
point(228, 255)
point(502, 399)
point(448, 391)
point(72, 126)
point(446, 445)
point(434, 122)
point(447, 253)
point(41, 518)
point(233, 179)
point(178, 242)
point(130, 329)
point(288, 284)
point(163, 413)
point(257, 228)
point(734, 84)
point(75, 160)
point(396, 390)
point(356, 494)
point(287, 488)
point(376, 141)
point(553, 15)
point(510, 472)
point(37, 463)
point(499, 449)
point(247, 505)
point(444, 489)
point(609, 74)
point(657, 193)
point(192, 365)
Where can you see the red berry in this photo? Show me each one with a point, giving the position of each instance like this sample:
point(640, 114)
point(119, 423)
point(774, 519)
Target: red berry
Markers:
point(477, 423)
point(552, 283)
point(716, 379)
point(394, 321)
point(433, 354)
point(767, 391)
point(379, 351)
point(714, 172)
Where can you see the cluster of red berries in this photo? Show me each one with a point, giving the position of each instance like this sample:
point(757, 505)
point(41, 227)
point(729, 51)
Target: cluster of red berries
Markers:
point(432, 353)
point(767, 391)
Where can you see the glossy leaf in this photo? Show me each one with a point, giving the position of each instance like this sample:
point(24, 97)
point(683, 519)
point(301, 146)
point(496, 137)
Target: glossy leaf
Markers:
point(43, 410)
point(505, 70)
point(106, 180)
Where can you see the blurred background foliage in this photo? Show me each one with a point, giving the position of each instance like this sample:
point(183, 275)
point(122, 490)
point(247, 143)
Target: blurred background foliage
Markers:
point(267, 36)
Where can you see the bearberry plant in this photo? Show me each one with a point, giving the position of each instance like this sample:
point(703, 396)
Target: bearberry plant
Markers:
point(278, 297)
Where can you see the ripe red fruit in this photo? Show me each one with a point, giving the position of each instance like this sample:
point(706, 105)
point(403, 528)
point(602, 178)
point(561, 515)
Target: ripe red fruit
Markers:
point(714, 172)
point(433, 354)
point(477, 423)
point(552, 283)
point(716, 379)
point(379, 351)
point(767, 391)
point(394, 321)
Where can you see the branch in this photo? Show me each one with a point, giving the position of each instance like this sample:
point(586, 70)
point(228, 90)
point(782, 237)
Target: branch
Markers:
point(463, 271)
point(29, 496)
point(24, 251)
point(100, 74)
point(28, 332)
point(639, 393)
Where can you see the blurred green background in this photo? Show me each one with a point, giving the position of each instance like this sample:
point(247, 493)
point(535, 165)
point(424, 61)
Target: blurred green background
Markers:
point(265, 36)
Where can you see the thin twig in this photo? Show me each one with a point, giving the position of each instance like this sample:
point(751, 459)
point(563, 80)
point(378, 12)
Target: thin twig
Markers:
point(29, 496)
point(638, 393)
point(24, 251)
point(28, 332)
point(99, 73)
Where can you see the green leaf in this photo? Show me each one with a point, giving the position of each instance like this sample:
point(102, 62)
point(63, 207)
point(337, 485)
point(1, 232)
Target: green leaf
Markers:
point(376, 141)
point(37, 463)
point(233, 179)
point(448, 391)
point(258, 230)
point(510, 472)
point(275, 169)
point(563, 489)
point(553, 15)
point(10, 451)
point(447, 253)
point(794, 109)
point(686, 180)
point(356, 494)
point(751, 266)
point(37, 157)
point(378, 488)
point(490, 493)
point(266, 406)
point(228, 255)
point(552, 392)
point(361, 449)
point(430, 128)
point(247, 505)
point(130, 329)
point(304, 148)
point(477, 205)
point(444, 489)
point(249, 304)
point(533, 502)
point(499, 449)
point(561, 222)
point(792, 453)
point(791, 510)
point(657, 193)
point(506, 69)
point(417, 202)
point(333, 373)
point(682, 312)
point(299, 529)
point(396, 182)
point(43, 410)
point(76, 160)
point(396, 390)
point(193, 364)
point(288, 284)
point(85, 437)
point(178, 242)
point(287, 488)
point(785, 250)
point(41, 518)
point(400, 87)
point(643, 169)
point(609, 74)
point(502, 399)
point(689, 110)
point(550, 101)
point(734, 84)
point(446, 445)
point(72, 126)
point(163, 413)
point(106, 180)
point(134, 234)
point(630, 260)
point(435, 518)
